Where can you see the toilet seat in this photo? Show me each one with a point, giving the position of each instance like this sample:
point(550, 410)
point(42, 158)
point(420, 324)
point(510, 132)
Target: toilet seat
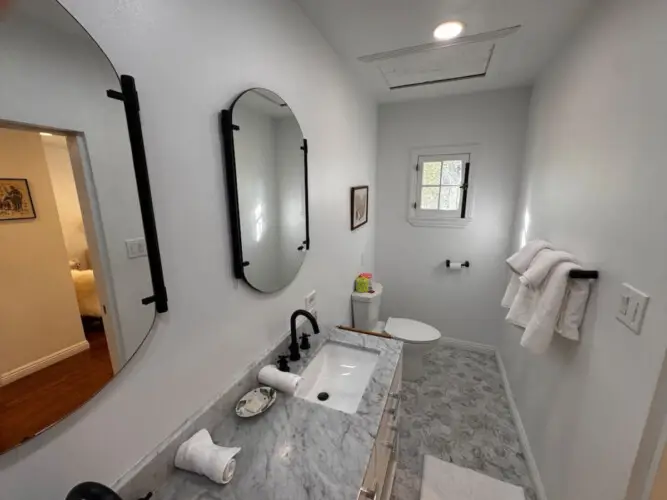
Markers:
point(411, 331)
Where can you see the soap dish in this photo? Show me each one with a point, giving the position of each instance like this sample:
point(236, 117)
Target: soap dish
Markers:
point(256, 402)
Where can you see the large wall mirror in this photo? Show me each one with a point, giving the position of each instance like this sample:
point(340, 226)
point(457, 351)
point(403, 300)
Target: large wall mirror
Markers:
point(266, 160)
point(77, 238)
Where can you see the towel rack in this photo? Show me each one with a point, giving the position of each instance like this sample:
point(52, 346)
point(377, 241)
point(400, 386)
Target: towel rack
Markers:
point(584, 275)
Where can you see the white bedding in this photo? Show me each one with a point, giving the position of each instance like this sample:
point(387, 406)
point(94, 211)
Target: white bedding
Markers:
point(86, 293)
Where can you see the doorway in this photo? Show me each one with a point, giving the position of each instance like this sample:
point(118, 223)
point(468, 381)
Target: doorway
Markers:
point(54, 329)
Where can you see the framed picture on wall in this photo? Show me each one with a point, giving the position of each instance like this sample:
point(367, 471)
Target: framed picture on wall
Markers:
point(359, 207)
point(15, 200)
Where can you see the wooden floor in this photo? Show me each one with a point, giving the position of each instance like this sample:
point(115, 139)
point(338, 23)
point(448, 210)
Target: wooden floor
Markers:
point(35, 402)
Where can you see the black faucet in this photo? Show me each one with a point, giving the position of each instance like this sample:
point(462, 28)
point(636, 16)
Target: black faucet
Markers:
point(294, 354)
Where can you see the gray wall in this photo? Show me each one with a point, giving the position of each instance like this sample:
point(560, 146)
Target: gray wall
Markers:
point(594, 185)
point(190, 59)
point(410, 260)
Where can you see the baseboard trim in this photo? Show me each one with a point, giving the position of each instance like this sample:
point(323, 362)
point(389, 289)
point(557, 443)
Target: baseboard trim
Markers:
point(468, 345)
point(523, 436)
point(41, 363)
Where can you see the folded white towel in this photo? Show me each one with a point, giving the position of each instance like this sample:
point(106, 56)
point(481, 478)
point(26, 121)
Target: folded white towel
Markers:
point(523, 306)
point(527, 285)
point(511, 291)
point(281, 381)
point(520, 261)
point(201, 455)
point(519, 264)
point(541, 266)
point(540, 329)
point(574, 307)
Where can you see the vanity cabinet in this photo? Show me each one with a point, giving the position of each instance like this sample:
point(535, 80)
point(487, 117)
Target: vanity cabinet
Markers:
point(379, 478)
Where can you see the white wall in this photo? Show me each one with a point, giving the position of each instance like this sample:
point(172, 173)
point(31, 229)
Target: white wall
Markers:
point(411, 260)
point(595, 180)
point(67, 198)
point(190, 59)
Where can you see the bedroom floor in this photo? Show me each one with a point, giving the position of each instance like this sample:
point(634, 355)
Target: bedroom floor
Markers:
point(458, 412)
point(34, 402)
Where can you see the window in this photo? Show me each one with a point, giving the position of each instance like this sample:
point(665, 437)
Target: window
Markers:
point(440, 190)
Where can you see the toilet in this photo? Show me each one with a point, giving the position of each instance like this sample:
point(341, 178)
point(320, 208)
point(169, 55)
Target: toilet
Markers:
point(418, 338)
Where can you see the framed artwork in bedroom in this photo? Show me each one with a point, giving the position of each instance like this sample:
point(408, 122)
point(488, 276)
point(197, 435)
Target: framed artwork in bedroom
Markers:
point(15, 200)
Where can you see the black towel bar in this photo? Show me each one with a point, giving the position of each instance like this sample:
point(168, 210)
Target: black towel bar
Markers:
point(584, 275)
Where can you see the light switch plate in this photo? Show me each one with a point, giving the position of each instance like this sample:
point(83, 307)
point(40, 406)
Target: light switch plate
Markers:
point(632, 307)
point(135, 248)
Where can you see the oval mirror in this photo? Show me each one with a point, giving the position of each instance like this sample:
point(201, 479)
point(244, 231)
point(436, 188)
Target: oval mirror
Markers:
point(73, 264)
point(267, 181)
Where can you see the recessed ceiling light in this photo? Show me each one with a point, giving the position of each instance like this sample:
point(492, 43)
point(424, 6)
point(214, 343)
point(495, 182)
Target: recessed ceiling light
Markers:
point(448, 30)
point(46, 134)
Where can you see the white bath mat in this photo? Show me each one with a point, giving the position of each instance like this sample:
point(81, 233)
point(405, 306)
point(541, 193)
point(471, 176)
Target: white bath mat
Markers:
point(445, 481)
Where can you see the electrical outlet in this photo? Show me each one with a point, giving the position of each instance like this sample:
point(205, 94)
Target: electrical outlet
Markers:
point(632, 308)
point(135, 248)
point(311, 301)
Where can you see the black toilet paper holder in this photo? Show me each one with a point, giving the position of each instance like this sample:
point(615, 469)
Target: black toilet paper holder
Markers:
point(464, 264)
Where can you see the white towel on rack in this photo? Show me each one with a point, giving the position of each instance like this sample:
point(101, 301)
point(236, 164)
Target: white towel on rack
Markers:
point(528, 293)
point(523, 304)
point(531, 281)
point(574, 307)
point(548, 306)
point(519, 264)
point(542, 265)
point(522, 307)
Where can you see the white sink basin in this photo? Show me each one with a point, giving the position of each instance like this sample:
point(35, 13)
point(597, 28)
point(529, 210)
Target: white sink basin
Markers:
point(340, 371)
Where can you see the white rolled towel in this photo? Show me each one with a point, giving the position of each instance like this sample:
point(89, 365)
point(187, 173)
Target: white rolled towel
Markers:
point(281, 381)
point(201, 455)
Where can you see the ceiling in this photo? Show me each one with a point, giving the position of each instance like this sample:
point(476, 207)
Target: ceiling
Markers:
point(356, 28)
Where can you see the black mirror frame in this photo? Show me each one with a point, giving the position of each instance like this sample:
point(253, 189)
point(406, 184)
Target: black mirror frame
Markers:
point(130, 98)
point(228, 128)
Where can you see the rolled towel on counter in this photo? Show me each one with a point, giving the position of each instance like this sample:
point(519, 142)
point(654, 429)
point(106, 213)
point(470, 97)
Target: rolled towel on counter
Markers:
point(281, 381)
point(201, 455)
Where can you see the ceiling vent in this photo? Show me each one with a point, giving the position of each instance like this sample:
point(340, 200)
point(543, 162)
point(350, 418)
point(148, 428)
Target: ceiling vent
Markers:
point(438, 62)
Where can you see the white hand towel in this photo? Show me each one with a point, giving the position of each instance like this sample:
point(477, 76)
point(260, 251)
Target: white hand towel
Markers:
point(519, 263)
point(281, 381)
point(510, 293)
point(201, 455)
point(572, 314)
point(543, 263)
point(540, 329)
point(523, 306)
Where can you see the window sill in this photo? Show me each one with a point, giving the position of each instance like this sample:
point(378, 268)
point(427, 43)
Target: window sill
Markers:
point(440, 222)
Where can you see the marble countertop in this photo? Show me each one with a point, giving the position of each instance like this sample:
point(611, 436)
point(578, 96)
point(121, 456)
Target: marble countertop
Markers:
point(299, 450)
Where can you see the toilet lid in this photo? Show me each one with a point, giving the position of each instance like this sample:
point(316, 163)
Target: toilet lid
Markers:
point(411, 331)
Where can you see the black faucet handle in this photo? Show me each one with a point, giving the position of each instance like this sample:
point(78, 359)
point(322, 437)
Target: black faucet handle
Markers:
point(305, 344)
point(283, 365)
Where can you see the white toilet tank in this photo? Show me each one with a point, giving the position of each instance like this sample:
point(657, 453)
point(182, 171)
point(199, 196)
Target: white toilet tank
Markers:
point(366, 308)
